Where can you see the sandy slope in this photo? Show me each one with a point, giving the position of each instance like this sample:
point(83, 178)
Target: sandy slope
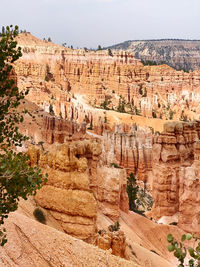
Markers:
point(33, 244)
point(147, 240)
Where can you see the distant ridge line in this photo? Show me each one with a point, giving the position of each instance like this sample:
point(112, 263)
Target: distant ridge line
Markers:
point(153, 40)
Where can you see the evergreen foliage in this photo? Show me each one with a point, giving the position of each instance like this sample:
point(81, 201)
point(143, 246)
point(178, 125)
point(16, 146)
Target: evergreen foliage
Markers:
point(17, 178)
point(132, 190)
point(110, 52)
point(121, 105)
point(114, 227)
point(51, 111)
point(39, 215)
point(99, 48)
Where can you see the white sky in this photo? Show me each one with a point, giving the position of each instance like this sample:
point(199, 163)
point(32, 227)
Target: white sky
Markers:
point(87, 23)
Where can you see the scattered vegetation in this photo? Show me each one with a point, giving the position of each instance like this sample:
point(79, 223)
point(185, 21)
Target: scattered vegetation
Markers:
point(136, 111)
point(148, 63)
point(139, 200)
point(105, 104)
point(41, 143)
point(121, 105)
point(154, 115)
point(39, 215)
point(100, 231)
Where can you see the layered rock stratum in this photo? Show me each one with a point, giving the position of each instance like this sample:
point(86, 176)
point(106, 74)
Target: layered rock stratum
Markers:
point(64, 80)
point(96, 119)
point(179, 54)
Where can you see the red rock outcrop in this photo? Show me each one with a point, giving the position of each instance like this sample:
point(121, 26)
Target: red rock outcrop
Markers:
point(51, 72)
point(130, 148)
point(109, 186)
point(60, 131)
point(176, 175)
point(76, 177)
point(116, 241)
point(31, 243)
point(68, 188)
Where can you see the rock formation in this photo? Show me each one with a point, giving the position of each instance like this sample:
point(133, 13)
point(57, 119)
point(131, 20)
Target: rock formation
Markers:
point(116, 241)
point(71, 85)
point(55, 74)
point(76, 178)
point(60, 131)
point(175, 174)
point(68, 188)
point(129, 148)
point(33, 244)
point(179, 54)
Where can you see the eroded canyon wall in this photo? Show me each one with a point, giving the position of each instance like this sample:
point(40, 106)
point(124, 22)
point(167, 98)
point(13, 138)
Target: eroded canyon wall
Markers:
point(78, 186)
point(51, 72)
point(175, 174)
point(67, 82)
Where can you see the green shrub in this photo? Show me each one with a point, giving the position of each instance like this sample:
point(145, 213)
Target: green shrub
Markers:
point(121, 105)
point(173, 223)
point(171, 114)
point(47, 78)
point(110, 52)
point(91, 126)
point(132, 190)
point(114, 227)
point(105, 104)
point(114, 165)
point(39, 215)
point(51, 111)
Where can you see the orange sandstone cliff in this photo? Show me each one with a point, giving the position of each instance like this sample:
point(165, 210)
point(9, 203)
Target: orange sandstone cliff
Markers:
point(80, 133)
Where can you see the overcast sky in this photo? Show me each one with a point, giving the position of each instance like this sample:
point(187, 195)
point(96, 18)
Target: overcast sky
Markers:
point(87, 23)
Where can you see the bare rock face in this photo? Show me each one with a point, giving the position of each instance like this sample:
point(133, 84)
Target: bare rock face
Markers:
point(60, 131)
point(78, 185)
point(129, 148)
point(51, 72)
point(116, 241)
point(176, 174)
point(33, 244)
point(189, 199)
point(109, 187)
point(67, 193)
